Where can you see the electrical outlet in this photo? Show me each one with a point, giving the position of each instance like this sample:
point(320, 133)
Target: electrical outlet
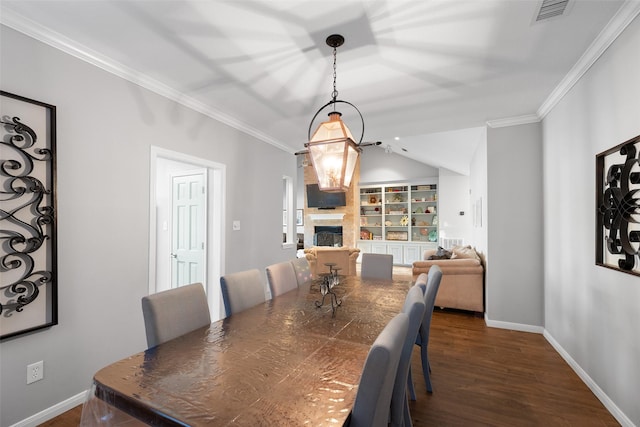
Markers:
point(35, 372)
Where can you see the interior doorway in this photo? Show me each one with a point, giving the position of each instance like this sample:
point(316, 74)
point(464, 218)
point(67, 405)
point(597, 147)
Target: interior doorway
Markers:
point(186, 212)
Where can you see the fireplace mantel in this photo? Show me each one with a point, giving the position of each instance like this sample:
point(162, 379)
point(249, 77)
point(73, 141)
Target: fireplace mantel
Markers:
point(327, 217)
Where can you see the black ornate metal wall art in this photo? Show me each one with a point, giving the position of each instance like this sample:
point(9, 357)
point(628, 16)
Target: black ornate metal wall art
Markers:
point(618, 207)
point(28, 261)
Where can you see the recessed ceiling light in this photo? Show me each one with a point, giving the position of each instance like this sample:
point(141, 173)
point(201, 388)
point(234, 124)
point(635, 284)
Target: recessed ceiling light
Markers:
point(397, 138)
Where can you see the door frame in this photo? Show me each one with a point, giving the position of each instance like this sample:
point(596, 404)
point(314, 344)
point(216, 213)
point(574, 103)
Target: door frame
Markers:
point(216, 203)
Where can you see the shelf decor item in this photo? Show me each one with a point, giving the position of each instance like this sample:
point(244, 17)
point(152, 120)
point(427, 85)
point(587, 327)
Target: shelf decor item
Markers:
point(618, 207)
point(397, 235)
point(28, 254)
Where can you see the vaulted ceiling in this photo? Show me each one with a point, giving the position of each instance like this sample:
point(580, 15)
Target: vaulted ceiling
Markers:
point(426, 75)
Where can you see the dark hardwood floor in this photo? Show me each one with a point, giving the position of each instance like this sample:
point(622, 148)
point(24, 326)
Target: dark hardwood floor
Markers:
point(486, 377)
point(495, 377)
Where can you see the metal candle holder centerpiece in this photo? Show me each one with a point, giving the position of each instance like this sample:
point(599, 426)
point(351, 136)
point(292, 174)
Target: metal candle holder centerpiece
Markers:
point(330, 280)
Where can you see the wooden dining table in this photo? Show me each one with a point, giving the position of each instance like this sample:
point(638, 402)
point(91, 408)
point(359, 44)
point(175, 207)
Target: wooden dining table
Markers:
point(284, 362)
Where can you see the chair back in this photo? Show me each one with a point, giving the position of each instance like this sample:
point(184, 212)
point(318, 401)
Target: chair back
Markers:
point(303, 271)
point(414, 308)
point(377, 266)
point(169, 314)
point(281, 278)
point(242, 290)
point(373, 400)
point(433, 284)
point(422, 281)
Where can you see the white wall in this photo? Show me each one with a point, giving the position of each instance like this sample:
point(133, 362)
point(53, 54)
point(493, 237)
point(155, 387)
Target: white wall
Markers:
point(106, 126)
point(454, 198)
point(478, 196)
point(592, 312)
point(376, 166)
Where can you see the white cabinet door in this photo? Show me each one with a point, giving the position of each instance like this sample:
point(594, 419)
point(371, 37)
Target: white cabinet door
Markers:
point(379, 248)
point(395, 249)
point(425, 246)
point(365, 247)
point(411, 253)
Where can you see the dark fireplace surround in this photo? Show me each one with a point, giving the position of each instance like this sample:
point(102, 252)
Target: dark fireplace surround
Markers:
point(327, 235)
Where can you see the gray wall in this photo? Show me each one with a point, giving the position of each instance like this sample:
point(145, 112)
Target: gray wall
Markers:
point(513, 286)
point(106, 126)
point(592, 312)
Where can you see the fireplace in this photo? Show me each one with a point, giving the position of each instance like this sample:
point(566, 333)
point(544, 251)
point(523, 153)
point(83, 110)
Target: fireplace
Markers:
point(327, 235)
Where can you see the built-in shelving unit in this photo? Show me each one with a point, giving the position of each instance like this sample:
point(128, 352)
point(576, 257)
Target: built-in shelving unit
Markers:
point(401, 219)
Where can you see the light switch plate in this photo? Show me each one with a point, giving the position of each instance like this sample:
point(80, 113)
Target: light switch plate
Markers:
point(236, 225)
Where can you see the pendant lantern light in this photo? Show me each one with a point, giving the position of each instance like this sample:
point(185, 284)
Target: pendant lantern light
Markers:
point(332, 149)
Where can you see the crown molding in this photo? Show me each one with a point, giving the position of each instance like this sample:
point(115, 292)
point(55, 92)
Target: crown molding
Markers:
point(84, 53)
point(627, 13)
point(513, 121)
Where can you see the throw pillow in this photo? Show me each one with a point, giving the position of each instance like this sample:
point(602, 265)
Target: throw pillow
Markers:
point(441, 253)
point(465, 252)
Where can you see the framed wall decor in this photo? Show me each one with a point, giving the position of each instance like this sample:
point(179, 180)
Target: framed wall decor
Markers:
point(299, 216)
point(28, 250)
point(618, 207)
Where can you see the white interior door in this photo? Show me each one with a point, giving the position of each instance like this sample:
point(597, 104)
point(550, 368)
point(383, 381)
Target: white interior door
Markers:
point(188, 225)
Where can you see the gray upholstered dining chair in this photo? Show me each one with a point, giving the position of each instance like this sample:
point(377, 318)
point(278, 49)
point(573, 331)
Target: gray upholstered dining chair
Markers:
point(430, 291)
point(414, 308)
point(281, 278)
point(242, 290)
point(303, 271)
point(377, 266)
point(174, 312)
point(373, 400)
point(421, 282)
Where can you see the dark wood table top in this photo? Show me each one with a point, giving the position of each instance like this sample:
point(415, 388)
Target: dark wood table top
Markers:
point(284, 362)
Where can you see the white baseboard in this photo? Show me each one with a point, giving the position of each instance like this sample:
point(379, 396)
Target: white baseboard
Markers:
point(513, 326)
point(600, 394)
point(53, 411)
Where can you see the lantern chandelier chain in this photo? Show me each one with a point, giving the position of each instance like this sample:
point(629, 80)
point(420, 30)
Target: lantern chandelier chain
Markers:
point(334, 94)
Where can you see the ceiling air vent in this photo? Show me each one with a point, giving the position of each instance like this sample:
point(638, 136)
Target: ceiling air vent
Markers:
point(551, 8)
